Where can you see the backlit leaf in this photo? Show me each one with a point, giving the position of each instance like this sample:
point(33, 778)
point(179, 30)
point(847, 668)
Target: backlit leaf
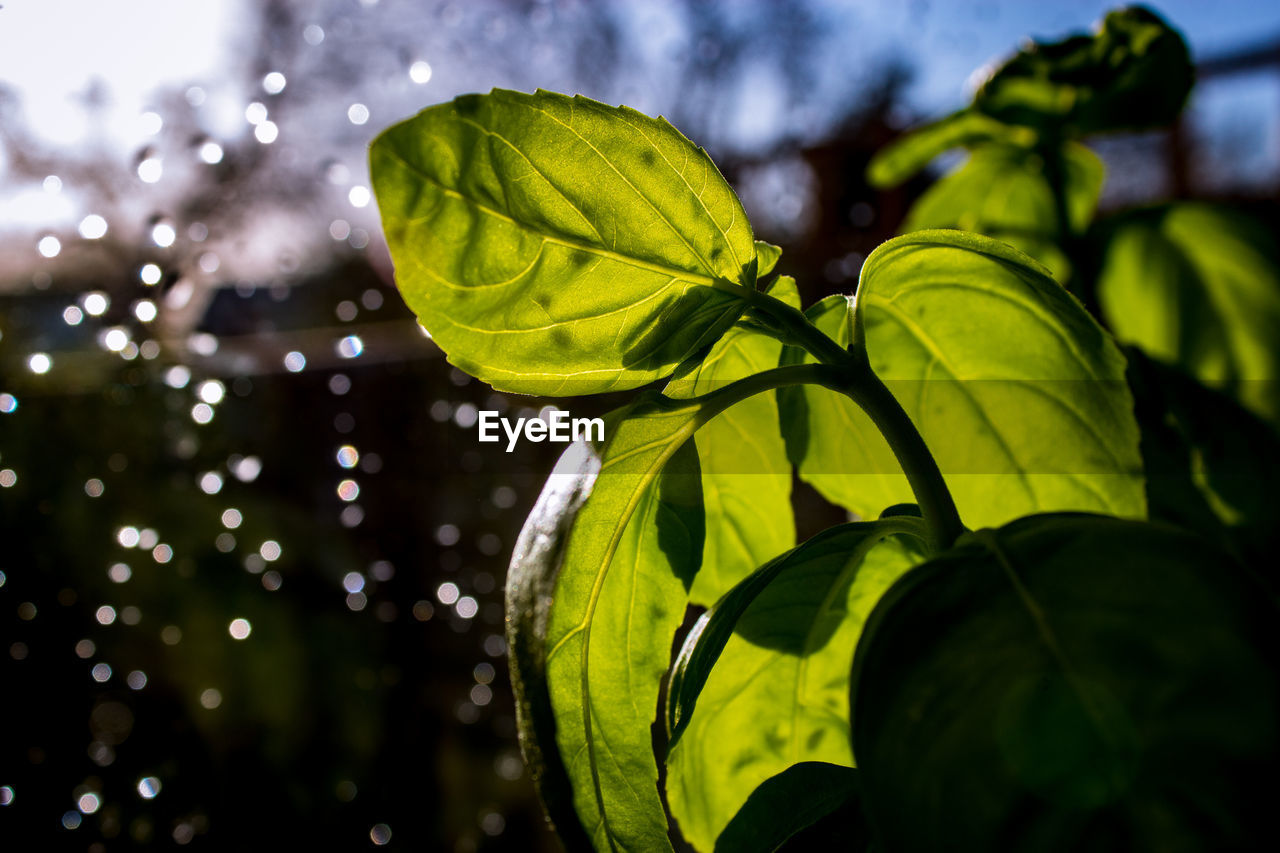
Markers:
point(780, 695)
point(1018, 393)
point(617, 568)
point(746, 477)
point(1006, 193)
point(911, 152)
point(555, 245)
point(1198, 286)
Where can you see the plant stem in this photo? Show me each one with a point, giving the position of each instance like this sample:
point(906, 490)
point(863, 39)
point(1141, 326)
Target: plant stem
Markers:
point(857, 381)
point(936, 504)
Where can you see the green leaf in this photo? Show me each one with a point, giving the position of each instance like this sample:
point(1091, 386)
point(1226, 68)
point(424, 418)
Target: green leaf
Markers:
point(1198, 286)
point(555, 245)
point(1210, 464)
point(1018, 393)
point(617, 564)
point(1134, 73)
point(780, 695)
point(839, 548)
point(746, 477)
point(767, 255)
point(1070, 683)
point(778, 813)
point(1006, 193)
point(911, 152)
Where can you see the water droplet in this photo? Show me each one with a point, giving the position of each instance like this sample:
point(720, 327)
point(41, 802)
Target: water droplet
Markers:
point(150, 170)
point(274, 83)
point(348, 456)
point(349, 347)
point(420, 72)
point(358, 196)
point(115, 339)
point(447, 593)
point(163, 235)
point(211, 391)
point(348, 490)
point(211, 152)
point(150, 274)
point(93, 227)
point(267, 132)
point(144, 310)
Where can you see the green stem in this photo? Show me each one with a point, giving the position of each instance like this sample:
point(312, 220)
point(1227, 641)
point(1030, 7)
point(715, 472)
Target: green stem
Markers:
point(856, 380)
point(930, 489)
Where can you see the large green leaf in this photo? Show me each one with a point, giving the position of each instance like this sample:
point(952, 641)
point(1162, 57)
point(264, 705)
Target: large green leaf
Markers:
point(1071, 683)
point(789, 812)
point(779, 696)
point(1018, 393)
point(1005, 192)
point(613, 542)
point(1198, 286)
point(746, 477)
point(555, 245)
point(1133, 73)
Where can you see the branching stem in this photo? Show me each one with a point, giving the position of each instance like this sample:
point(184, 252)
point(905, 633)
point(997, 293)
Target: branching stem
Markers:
point(851, 375)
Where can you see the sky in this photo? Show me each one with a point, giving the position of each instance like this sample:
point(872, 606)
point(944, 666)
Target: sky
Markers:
point(52, 52)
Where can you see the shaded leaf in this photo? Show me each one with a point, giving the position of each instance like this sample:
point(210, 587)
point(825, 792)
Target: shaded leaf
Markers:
point(1006, 193)
point(1018, 393)
point(838, 548)
point(555, 245)
point(1210, 464)
point(614, 545)
point(746, 477)
point(1070, 682)
point(1133, 73)
point(1198, 286)
point(780, 695)
point(784, 806)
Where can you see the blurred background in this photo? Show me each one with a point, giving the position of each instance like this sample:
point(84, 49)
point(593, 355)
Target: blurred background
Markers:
point(251, 557)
